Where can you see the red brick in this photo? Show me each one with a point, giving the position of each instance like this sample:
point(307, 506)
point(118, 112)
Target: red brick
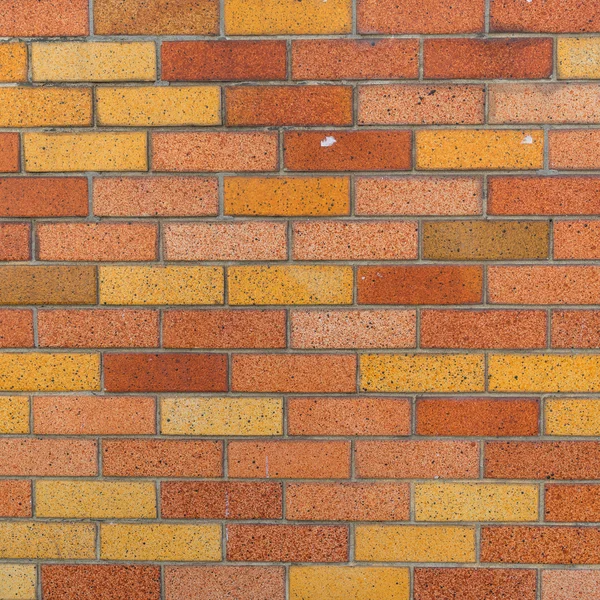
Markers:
point(165, 372)
point(575, 329)
point(477, 416)
point(495, 58)
point(162, 458)
point(355, 59)
point(417, 459)
point(221, 500)
point(577, 503)
point(574, 149)
point(43, 18)
point(14, 241)
point(348, 150)
point(579, 584)
point(9, 149)
point(16, 329)
point(293, 373)
point(576, 240)
point(420, 285)
point(224, 60)
point(15, 498)
point(287, 543)
point(289, 459)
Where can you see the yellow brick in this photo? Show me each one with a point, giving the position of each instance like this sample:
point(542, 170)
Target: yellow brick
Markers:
point(45, 107)
point(480, 149)
point(422, 373)
point(222, 416)
point(280, 17)
point(13, 62)
point(14, 415)
point(20, 372)
point(290, 285)
point(544, 373)
point(573, 416)
point(93, 61)
point(115, 151)
point(161, 285)
point(476, 502)
point(420, 543)
point(160, 542)
point(578, 58)
point(36, 540)
point(18, 582)
point(148, 106)
point(349, 583)
point(95, 499)
point(287, 196)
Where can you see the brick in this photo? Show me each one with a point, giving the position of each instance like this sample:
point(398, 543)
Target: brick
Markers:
point(414, 543)
point(417, 459)
point(343, 583)
point(161, 285)
point(578, 58)
point(100, 582)
point(221, 500)
point(14, 241)
point(15, 501)
point(483, 329)
point(89, 151)
point(287, 196)
point(156, 17)
point(287, 543)
point(165, 372)
point(501, 149)
point(489, 417)
point(420, 104)
point(348, 416)
point(293, 373)
point(224, 60)
point(574, 149)
point(347, 502)
point(576, 503)
point(155, 196)
point(495, 58)
point(353, 329)
point(417, 16)
point(355, 240)
point(13, 62)
point(9, 154)
point(576, 240)
point(347, 150)
point(225, 241)
point(426, 284)
point(289, 459)
point(476, 502)
point(18, 582)
point(160, 542)
point(95, 499)
point(162, 458)
point(414, 195)
point(16, 329)
point(222, 416)
point(281, 17)
point(94, 415)
point(215, 151)
point(158, 106)
point(376, 58)
point(288, 105)
point(421, 373)
point(14, 414)
point(43, 18)
point(572, 416)
point(569, 584)
point(224, 328)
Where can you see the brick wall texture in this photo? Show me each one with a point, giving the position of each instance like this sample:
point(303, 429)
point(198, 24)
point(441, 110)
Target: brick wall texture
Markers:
point(299, 300)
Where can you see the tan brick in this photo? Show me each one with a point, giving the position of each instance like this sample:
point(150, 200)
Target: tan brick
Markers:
point(572, 416)
point(18, 582)
point(578, 58)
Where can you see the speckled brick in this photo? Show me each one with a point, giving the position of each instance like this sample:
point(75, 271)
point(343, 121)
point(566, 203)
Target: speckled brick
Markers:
point(559, 584)
point(16, 328)
point(15, 500)
point(577, 58)
point(9, 154)
point(14, 414)
point(573, 149)
point(18, 582)
point(13, 62)
point(575, 329)
point(39, 18)
point(572, 503)
point(14, 241)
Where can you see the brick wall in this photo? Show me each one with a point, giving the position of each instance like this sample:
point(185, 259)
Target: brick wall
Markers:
point(299, 300)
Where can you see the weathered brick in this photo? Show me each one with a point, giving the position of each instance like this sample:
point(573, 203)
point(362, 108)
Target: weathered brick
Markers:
point(13, 62)
point(14, 414)
point(9, 155)
point(576, 503)
point(14, 241)
point(572, 416)
point(18, 582)
point(571, 584)
point(578, 58)
point(43, 18)
point(15, 501)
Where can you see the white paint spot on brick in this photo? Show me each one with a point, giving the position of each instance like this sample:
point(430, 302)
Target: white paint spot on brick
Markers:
point(328, 141)
point(527, 140)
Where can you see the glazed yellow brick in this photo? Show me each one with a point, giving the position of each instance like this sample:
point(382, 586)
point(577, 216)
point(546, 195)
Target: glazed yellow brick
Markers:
point(45, 107)
point(290, 284)
point(349, 583)
point(161, 285)
point(422, 373)
point(18, 582)
point(93, 61)
point(41, 372)
point(578, 58)
point(13, 63)
point(544, 373)
point(95, 499)
point(152, 106)
point(93, 151)
point(38, 540)
point(160, 542)
point(415, 543)
point(572, 416)
point(222, 416)
point(468, 149)
point(281, 17)
point(14, 415)
point(476, 502)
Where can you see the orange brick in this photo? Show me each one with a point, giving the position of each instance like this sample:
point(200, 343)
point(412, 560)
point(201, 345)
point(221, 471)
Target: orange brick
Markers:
point(574, 149)
point(14, 241)
point(575, 329)
point(576, 503)
point(43, 18)
point(9, 153)
point(576, 240)
point(16, 329)
point(15, 498)
point(13, 62)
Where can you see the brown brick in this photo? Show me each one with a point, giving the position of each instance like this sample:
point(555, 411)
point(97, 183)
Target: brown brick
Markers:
point(15, 498)
point(14, 241)
point(9, 154)
point(37, 18)
point(576, 503)
point(575, 329)
point(579, 584)
point(16, 329)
